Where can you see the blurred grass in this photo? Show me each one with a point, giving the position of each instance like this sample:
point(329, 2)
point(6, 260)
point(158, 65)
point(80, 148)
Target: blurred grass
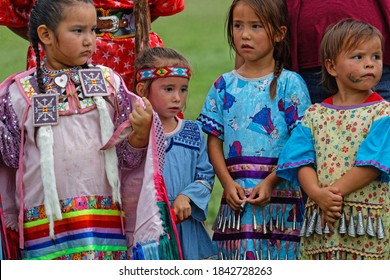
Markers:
point(198, 33)
point(13, 53)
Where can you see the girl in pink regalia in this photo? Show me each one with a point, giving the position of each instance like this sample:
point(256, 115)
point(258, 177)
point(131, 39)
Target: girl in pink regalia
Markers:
point(57, 127)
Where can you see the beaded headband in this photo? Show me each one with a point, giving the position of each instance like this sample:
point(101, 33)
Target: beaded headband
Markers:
point(163, 72)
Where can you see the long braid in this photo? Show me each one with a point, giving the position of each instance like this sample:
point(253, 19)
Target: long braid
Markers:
point(277, 71)
point(141, 13)
point(34, 40)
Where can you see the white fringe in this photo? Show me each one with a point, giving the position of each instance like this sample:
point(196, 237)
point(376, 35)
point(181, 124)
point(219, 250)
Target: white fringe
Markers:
point(45, 143)
point(110, 156)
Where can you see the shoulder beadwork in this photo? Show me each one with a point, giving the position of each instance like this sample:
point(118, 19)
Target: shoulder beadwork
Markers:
point(189, 135)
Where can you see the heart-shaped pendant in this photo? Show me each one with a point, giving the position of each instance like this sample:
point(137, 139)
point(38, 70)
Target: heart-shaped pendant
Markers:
point(61, 80)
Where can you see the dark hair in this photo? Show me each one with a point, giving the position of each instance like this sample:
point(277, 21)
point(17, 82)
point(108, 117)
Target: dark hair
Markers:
point(273, 15)
point(49, 13)
point(159, 57)
point(343, 36)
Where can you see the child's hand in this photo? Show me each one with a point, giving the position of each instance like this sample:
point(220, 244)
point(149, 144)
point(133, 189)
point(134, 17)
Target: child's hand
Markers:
point(330, 218)
point(182, 207)
point(261, 195)
point(329, 199)
point(141, 120)
point(235, 195)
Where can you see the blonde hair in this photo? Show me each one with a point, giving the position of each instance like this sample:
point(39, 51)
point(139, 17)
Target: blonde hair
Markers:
point(343, 36)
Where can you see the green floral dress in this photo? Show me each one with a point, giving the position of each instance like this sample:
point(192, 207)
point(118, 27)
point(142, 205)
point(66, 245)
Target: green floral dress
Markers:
point(334, 139)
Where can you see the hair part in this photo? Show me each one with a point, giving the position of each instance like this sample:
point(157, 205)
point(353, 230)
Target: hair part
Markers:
point(49, 13)
point(158, 57)
point(273, 15)
point(340, 37)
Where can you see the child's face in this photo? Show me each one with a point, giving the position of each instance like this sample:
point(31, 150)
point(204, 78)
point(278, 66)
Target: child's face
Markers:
point(75, 40)
point(250, 36)
point(359, 69)
point(168, 96)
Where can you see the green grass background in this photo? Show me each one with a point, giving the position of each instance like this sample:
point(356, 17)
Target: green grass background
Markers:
point(198, 33)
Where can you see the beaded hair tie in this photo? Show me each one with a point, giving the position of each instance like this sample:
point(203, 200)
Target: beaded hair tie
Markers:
point(162, 72)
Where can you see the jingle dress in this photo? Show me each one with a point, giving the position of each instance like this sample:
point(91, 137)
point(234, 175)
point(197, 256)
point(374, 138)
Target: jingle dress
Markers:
point(188, 171)
point(114, 49)
point(334, 139)
point(254, 129)
point(89, 223)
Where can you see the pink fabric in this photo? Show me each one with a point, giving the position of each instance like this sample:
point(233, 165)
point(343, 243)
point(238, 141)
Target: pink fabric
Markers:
point(146, 224)
point(121, 132)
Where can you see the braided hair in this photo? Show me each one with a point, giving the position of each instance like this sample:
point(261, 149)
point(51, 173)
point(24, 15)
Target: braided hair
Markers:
point(273, 15)
point(49, 13)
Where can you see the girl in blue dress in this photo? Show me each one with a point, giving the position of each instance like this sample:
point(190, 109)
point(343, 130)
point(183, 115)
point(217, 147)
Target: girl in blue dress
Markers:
point(249, 114)
point(162, 77)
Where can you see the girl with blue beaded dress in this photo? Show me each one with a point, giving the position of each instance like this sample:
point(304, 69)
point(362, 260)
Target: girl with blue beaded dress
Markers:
point(249, 114)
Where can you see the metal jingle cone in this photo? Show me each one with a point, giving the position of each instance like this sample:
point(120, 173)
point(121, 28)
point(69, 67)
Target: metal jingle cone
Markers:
point(326, 229)
point(380, 231)
point(269, 253)
point(218, 221)
point(254, 221)
point(294, 226)
point(229, 224)
point(311, 226)
point(236, 256)
point(234, 220)
point(318, 228)
point(282, 227)
point(343, 224)
point(261, 249)
point(271, 223)
point(303, 228)
point(224, 223)
point(221, 255)
point(255, 249)
point(282, 224)
point(238, 248)
point(370, 227)
point(265, 228)
point(287, 246)
point(360, 226)
point(265, 223)
point(351, 226)
point(238, 227)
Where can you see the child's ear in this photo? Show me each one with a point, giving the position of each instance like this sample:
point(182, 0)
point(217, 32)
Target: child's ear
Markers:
point(44, 34)
point(329, 65)
point(140, 89)
point(283, 31)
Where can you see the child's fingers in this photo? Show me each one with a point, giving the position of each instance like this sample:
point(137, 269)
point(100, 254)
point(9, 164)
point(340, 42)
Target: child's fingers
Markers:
point(241, 193)
point(147, 105)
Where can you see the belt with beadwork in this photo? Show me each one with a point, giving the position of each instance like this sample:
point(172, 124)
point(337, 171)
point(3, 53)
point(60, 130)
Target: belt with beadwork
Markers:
point(117, 23)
